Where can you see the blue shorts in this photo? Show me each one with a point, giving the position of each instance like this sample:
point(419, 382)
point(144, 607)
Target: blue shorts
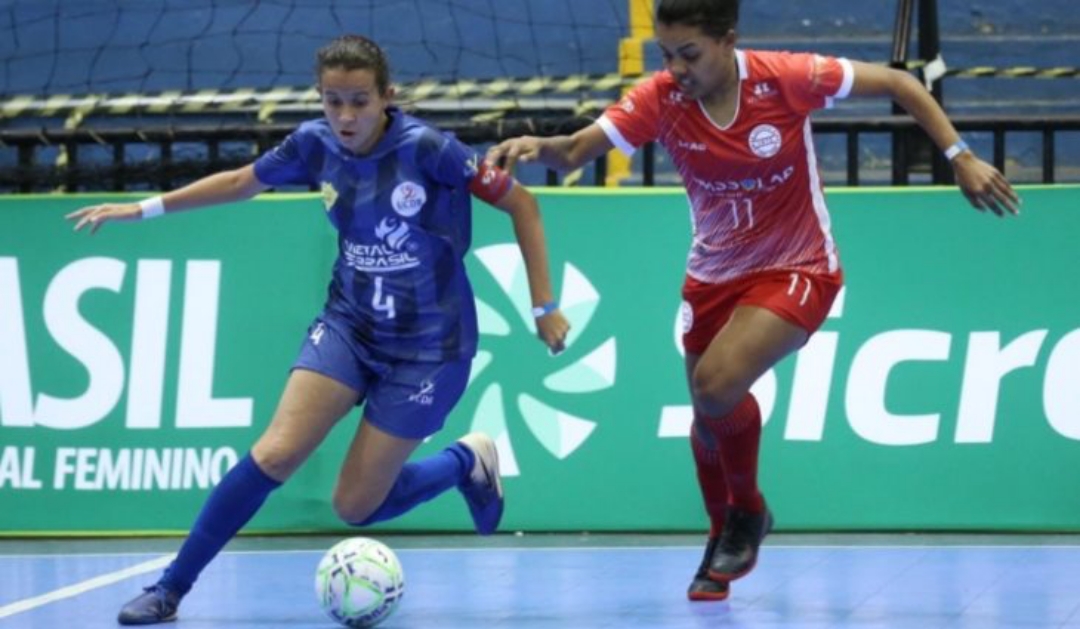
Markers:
point(406, 399)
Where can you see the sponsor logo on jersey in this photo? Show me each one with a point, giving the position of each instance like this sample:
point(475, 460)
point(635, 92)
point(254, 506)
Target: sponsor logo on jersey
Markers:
point(698, 147)
point(408, 198)
point(764, 140)
point(394, 232)
point(764, 183)
point(377, 258)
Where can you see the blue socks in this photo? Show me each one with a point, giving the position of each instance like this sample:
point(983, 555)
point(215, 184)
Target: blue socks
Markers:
point(232, 503)
point(423, 480)
point(245, 487)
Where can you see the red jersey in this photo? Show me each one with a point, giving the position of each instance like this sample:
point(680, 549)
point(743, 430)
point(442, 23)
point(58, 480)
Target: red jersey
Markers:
point(754, 188)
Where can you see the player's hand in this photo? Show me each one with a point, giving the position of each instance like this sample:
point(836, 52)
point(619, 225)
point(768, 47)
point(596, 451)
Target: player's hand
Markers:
point(508, 153)
point(552, 329)
point(97, 215)
point(984, 186)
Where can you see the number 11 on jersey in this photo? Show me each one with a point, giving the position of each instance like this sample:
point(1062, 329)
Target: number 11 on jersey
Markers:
point(747, 207)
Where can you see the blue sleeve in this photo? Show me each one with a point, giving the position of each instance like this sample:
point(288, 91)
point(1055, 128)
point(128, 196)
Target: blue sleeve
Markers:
point(284, 164)
point(452, 163)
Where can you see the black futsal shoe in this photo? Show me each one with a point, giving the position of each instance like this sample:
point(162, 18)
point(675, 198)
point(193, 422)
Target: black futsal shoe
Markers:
point(702, 588)
point(737, 552)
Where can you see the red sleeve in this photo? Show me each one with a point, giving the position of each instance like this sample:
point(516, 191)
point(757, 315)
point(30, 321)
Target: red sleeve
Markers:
point(635, 119)
point(812, 81)
point(491, 183)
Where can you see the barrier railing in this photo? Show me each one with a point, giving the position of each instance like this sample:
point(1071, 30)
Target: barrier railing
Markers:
point(30, 174)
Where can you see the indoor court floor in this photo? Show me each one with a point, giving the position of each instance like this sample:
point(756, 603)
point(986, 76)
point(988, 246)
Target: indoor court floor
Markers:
point(572, 582)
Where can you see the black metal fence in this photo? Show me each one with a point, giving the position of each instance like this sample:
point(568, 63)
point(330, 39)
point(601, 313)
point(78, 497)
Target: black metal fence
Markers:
point(30, 172)
point(120, 173)
point(911, 147)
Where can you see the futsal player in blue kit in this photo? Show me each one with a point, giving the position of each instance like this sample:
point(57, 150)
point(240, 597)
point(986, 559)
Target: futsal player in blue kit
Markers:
point(398, 330)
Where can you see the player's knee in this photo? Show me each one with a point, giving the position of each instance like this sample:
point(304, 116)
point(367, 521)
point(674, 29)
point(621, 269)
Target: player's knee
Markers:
point(715, 394)
point(352, 509)
point(351, 512)
point(274, 462)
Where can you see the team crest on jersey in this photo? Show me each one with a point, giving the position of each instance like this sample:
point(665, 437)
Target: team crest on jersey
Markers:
point(408, 198)
point(764, 140)
point(329, 195)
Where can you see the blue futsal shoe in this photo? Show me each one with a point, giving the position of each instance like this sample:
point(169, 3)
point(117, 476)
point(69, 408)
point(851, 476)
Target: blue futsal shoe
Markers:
point(156, 604)
point(483, 487)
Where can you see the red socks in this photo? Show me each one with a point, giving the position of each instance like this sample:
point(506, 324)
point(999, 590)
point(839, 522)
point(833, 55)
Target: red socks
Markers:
point(710, 474)
point(738, 439)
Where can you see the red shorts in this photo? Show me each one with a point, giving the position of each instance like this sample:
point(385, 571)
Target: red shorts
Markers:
point(803, 299)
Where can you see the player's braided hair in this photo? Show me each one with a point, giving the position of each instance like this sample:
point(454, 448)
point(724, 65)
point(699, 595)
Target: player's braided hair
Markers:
point(354, 52)
point(714, 17)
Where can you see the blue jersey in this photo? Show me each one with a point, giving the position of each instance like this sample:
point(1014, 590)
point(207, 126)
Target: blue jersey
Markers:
point(403, 216)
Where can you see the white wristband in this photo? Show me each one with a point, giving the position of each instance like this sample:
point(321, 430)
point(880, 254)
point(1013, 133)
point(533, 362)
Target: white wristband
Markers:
point(956, 149)
point(152, 207)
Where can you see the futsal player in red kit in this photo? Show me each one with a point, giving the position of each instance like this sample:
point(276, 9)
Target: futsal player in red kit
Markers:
point(763, 268)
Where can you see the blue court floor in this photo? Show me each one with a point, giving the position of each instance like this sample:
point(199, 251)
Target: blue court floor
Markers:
point(570, 582)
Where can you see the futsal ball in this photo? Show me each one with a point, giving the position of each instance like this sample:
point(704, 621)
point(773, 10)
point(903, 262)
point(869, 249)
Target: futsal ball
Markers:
point(359, 582)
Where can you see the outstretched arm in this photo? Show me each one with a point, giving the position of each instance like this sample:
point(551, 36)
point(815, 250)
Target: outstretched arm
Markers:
point(982, 184)
point(223, 187)
point(561, 152)
point(524, 211)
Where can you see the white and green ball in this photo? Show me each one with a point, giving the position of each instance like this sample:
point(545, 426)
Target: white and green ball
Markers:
point(359, 582)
